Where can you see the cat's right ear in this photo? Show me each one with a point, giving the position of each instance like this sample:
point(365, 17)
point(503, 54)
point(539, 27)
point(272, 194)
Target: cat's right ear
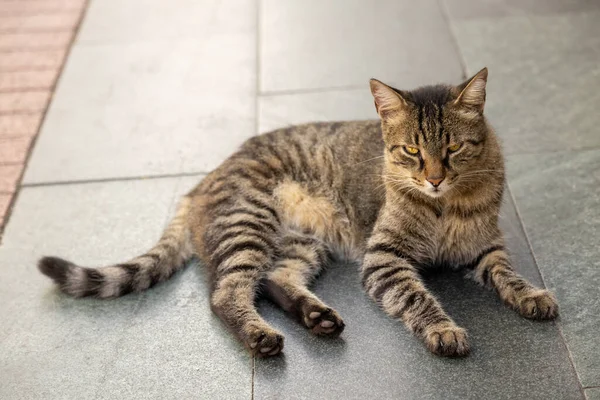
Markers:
point(388, 102)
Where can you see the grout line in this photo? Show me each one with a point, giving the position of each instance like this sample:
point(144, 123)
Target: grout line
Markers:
point(555, 322)
point(310, 90)
point(446, 15)
point(16, 31)
point(592, 387)
point(111, 179)
point(67, 52)
point(26, 89)
point(253, 377)
point(256, 131)
point(258, 69)
point(39, 68)
point(32, 49)
point(38, 13)
point(26, 112)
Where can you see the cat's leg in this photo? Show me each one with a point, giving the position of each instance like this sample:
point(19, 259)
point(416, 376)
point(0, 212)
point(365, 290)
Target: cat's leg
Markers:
point(493, 269)
point(240, 248)
point(301, 259)
point(233, 301)
point(390, 278)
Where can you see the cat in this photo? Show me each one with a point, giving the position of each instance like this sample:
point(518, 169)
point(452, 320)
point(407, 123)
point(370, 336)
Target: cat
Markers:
point(420, 187)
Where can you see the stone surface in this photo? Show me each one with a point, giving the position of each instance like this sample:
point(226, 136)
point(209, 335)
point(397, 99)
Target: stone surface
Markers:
point(277, 111)
point(315, 44)
point(558, 198)
point(466, 9)
point(148, 108)
point(592, 394)
point(164, 343)
point(377, 358)
point(540, 96)
point(111, 21)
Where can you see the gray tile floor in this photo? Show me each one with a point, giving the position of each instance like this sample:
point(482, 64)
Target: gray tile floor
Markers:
point(156, 93)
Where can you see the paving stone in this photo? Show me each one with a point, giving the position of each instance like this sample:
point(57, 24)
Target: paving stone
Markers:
point(592, 394)
point(148, 108)
point(164, 343)
point(111, 20)
point(377, 358)
point(540, 95)
point(316, 44)
point(277, 111)
point(558, 197)
point(466, 9)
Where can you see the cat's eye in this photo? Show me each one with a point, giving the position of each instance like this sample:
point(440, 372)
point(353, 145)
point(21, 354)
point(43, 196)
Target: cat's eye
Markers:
point(454, 147)
point(411, 150)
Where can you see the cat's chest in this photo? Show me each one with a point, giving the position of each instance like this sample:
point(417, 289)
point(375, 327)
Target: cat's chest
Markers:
point(459, 240)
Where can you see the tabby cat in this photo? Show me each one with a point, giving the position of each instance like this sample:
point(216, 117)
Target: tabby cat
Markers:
point(421, 188)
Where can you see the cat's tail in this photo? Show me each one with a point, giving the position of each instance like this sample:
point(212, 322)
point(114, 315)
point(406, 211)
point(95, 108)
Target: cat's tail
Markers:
point(142, 272)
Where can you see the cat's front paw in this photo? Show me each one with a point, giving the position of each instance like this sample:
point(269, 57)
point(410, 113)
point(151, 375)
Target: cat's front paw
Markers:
point(263, 341)
point(448, 341)
point(539, 304)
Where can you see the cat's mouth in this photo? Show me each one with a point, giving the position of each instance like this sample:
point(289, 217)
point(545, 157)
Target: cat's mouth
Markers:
point(434, 191)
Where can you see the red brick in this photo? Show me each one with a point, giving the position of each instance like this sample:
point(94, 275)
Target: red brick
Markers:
point(36, 40)
point(63, 21)
point(9, 176)
point(21, 7)
point(19, 125)
point(31, 60)
point(4, 203)
point(26, 80)
point(23, 102)
point(14, 150)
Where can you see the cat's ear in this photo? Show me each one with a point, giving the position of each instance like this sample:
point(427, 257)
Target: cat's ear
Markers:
point(388, 102)
point(472, 92)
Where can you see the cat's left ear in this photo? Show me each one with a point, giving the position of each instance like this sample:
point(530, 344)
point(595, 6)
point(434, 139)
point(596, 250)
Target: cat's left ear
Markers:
point(388, 102)
point(472, 92)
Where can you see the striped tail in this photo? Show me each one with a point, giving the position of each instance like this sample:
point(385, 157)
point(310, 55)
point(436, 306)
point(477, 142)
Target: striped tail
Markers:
point(157, 265)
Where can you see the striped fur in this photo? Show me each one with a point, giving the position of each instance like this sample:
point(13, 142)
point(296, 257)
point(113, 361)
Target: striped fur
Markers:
point(422, 187)
point(136, 275)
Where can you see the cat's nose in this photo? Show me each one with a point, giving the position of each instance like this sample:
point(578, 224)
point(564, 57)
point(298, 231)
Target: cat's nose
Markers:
point(435, 180)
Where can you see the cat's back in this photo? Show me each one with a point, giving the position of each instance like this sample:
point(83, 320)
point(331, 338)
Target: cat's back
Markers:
point(347, 142)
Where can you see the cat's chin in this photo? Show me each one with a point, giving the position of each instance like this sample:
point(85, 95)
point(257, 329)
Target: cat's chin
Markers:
point(435, 193)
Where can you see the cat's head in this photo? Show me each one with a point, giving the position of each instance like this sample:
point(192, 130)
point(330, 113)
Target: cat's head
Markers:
point(436, 137)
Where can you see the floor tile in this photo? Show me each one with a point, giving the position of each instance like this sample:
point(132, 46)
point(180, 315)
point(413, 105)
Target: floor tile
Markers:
point(465, 9)
point(540, 96)
point(148, 108)
point(377, 358)
point(558, 197)
point(163, 343)
point(278, 111)
point(135, 20)
point(317, 44)
point(592, 394)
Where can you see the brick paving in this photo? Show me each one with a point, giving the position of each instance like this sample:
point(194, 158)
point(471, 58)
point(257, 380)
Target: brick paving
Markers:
point(35, 36)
